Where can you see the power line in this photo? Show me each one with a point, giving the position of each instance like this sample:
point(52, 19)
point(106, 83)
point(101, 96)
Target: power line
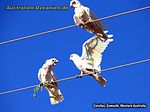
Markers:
point(16, 90)
point(74, 77)
point(71, 26)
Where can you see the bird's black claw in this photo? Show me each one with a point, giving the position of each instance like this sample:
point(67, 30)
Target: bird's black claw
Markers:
point(82, 26)
point(79, 76)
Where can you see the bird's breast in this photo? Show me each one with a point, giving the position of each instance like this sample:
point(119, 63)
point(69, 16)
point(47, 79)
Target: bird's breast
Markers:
point(79, 12)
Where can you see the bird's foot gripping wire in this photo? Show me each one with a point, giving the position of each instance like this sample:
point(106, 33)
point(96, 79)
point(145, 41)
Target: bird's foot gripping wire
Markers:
point(82, 26)
point(81, 75)
point(41, 85)
point(78, 76)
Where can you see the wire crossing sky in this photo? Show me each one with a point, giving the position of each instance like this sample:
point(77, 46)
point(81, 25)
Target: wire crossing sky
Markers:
point(74, 77)
point(71, 26)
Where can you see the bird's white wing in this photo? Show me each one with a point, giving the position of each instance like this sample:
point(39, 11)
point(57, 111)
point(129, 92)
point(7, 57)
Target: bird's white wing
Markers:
point(76, 20)
point(92, 50)
point(81, 16)
point(93, 17)
point(89, 12)
point(40, 75)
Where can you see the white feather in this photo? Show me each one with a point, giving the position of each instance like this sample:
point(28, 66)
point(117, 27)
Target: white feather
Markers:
point(92, 51)
point(110, 36)
point(106, 31)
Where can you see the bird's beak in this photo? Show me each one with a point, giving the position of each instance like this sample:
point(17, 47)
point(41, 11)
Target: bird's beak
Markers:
point(71, 5)
point(70, 58)
point(56, 61)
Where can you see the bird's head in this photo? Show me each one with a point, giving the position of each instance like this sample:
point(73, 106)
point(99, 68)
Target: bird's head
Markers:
point(75, 4)
point(51, 62)
point(73, 56)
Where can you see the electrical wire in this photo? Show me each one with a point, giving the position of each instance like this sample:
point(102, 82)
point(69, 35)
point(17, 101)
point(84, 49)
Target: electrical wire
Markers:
point(71, 26)
point(75, 77)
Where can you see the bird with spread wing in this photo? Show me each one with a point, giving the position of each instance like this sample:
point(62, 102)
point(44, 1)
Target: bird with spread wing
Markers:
point(89, 62)
point(47, 77)
point(84, 18)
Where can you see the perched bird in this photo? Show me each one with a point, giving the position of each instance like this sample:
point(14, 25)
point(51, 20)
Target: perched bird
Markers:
point(83, 17)
point(89, 62)
point(47, 76)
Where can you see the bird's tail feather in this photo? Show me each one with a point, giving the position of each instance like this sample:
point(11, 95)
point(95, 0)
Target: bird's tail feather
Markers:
point(108, 35)
point(105, 36)
point(101, 80)
point(55, 96)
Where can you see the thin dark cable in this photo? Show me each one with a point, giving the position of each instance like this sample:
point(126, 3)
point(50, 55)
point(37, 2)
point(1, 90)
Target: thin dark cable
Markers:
point(42, 33)
point(74, 77)
point(71, 26)
point(16, 90)
point(125, 65)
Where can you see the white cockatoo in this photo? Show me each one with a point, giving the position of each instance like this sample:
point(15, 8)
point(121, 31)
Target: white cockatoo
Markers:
point(83, 17)
point(47, 75)
point(89, 62)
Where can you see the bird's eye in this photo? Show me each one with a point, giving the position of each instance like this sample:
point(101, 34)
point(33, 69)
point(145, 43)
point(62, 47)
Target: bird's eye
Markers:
point(53, 60)
point(74, 2)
